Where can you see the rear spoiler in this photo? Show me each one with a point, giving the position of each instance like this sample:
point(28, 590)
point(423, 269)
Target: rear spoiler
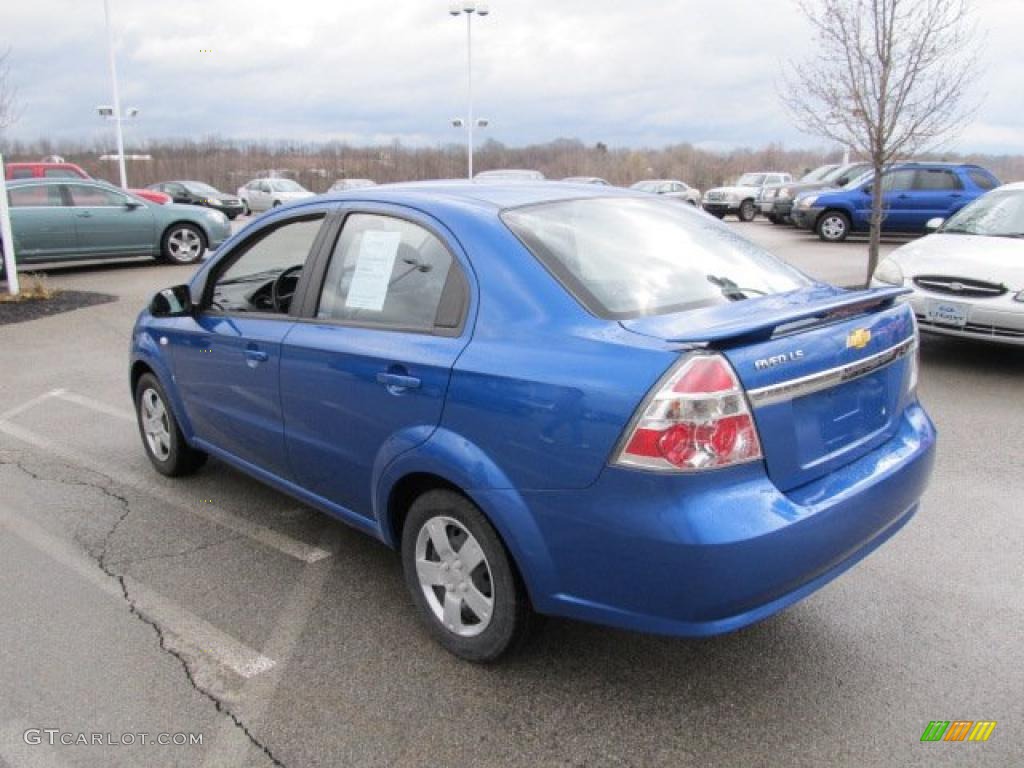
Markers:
point(763, 317)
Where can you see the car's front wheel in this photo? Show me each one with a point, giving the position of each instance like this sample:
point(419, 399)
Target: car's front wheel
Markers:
point(462, 579)
point(183, 244)
point(833, 226)
point(165, 445)
point(747, 210)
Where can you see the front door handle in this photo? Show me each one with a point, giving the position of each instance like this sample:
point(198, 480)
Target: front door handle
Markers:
point(254, 355)
point(396, 382)
point(84, 215)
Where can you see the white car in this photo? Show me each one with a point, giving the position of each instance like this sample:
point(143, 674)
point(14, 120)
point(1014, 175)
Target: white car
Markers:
point(741, 198)
point(263, 194)
point(344, 184)
point(677, 190)
point(968, 277)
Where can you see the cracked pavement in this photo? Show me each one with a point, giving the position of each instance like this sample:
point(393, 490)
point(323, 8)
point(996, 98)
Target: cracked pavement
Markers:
point(127, 606)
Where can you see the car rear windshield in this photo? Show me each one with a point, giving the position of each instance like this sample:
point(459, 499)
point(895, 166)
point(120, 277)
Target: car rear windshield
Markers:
point(624, 258)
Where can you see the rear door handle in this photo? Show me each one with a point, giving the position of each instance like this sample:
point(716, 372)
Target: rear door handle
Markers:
point(84, 215)
point(396, 382)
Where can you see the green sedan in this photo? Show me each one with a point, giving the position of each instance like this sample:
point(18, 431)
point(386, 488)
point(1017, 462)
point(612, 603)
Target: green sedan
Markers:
point(67, 219)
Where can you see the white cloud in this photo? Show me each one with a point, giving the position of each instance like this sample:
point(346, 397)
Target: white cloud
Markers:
point(645, 72)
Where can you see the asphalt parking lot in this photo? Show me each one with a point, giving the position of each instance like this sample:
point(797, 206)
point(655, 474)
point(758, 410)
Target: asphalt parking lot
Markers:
point(212, 605)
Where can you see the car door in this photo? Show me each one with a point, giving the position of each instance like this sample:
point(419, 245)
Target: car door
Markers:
point(898, 202)
point(42, 225)
point(365, 378)
point(937, 192)
point(108, 222)
point(259, 195)
point(227, 357)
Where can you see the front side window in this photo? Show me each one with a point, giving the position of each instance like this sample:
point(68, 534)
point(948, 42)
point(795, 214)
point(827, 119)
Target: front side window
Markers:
point(95, 197)
point(894, 181)
point(626, 258)
point(385, 271)
point(750, 180)
point(286, 185)
point(264, 277)
point(36, 196)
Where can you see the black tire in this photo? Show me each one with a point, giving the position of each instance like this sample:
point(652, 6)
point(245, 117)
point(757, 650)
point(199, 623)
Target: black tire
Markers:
point(777, 220)
point(182, 243)
point(833, 226)
point(276, 203)
point(772, 218)
point(245, 208)
point(747, 211)
point(181, 458)
point(717, 214)
point(511, 614)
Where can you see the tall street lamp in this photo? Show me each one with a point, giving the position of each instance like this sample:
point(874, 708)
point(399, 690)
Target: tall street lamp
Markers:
point(117, 96)
point(112, 113)
point(468, 7)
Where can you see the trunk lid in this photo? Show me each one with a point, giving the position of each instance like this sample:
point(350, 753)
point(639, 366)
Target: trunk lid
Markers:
point(825, 370)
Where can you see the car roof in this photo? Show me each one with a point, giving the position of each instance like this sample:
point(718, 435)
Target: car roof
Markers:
point(41, 182)
point(930, 164)
point(490, 195)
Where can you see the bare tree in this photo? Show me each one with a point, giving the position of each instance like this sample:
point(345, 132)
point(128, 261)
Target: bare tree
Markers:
point(888, 80)
point(8, 93)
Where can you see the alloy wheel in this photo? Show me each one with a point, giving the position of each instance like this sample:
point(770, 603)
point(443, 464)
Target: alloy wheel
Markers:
point(833, 227)
point(184, 245)
point(455, 576)
point(155, 424)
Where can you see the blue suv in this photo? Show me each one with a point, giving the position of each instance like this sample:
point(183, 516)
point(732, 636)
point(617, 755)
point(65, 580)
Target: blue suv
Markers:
point(914, 193)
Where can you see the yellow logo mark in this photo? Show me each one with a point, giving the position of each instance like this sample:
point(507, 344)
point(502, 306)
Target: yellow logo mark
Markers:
point(858, 339)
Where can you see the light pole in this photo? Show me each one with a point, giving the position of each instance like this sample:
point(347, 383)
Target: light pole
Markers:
point(469, 7)
point(112, 113)
point(117, 96)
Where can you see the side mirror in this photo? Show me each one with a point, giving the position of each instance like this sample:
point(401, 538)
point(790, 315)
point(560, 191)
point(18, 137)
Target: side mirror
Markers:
point(131, 205)
point(933, 225)
point(866, 189)
point(172, 302)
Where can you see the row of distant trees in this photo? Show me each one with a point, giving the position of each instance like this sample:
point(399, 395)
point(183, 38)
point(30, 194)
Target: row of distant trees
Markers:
point(227, 164)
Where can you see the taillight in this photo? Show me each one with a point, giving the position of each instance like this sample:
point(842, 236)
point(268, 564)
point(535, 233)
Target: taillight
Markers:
point(697, 419)
point(914, 359)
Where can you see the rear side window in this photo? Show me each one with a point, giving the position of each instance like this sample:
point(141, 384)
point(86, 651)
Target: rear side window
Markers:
point(894, 181)
point(42, 196)
point(388, 272)
point(936, 180)
point(625, 258)
point(21, 173)
point(982, 179)
point(60, 173)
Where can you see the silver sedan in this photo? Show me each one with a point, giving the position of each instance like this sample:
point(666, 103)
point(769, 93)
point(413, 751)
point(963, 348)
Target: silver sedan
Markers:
point(967, 277)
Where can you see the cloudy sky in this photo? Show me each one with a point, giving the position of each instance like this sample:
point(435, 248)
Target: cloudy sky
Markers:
point(634, 73)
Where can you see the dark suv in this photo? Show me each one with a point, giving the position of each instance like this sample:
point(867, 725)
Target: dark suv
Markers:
point(913, 193)
point(778, 205)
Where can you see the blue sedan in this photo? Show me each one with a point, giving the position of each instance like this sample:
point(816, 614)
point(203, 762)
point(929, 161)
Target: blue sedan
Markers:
point(550, 398)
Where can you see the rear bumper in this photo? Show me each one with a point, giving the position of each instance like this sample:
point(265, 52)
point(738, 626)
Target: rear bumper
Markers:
point(707, 554)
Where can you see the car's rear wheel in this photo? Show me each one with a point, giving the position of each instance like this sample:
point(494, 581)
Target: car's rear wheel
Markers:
point(833, 226)
point(277, 203)
point(777, 220)
point(245, 208)
point(165, 445)
point(461, 578)
point(747, 210)
point(183, 244)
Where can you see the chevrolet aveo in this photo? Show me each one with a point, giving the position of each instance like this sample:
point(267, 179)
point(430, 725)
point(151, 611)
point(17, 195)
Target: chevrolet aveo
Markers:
point(550, 398)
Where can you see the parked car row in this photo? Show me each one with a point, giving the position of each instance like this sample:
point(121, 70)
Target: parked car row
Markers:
point(740, 199)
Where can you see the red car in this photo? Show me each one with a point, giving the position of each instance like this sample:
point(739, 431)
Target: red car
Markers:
point(71, 171)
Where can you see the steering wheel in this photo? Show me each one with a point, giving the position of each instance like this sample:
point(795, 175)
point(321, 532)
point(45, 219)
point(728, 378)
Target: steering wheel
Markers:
point(280, 297)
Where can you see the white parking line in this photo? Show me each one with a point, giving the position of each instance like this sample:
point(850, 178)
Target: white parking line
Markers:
point(200, 638)
point(96, 405)
point(210, 512)
point(30, 404)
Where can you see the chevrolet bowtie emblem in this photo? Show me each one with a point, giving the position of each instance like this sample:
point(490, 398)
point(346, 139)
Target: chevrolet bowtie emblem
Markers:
point(858, 339)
